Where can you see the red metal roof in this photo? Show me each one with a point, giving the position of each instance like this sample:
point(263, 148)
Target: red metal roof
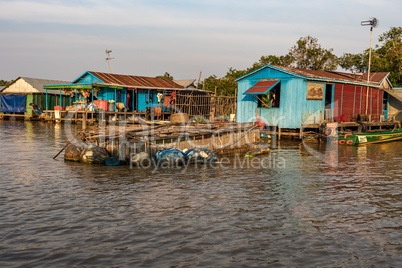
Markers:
point(261, 87)
point(136, 81)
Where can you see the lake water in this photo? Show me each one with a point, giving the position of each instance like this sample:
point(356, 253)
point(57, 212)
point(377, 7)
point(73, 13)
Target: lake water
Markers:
point(285, 209)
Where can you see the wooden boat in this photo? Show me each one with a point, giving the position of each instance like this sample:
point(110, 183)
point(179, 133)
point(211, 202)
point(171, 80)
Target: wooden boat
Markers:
point(370, 137)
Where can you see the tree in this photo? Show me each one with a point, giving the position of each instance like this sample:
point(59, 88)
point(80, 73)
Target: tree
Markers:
point(388, 56)
point(355, 63)
point(286, 60)
point(308, 54)
point(5, 82)
point(225, 85)
point(166, 75)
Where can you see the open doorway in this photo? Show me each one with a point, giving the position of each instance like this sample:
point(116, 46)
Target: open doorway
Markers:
point(328, 96)
point(329, 109)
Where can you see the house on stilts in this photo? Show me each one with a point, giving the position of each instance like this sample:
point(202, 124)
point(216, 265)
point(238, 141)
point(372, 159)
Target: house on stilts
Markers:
point(140, 95)
point(292, 98)
point(16, 98)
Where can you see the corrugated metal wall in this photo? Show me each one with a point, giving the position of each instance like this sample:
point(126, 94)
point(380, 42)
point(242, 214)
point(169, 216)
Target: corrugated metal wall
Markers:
point(351, 99)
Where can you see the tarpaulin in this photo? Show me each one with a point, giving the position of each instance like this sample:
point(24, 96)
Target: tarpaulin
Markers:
point(13, 103)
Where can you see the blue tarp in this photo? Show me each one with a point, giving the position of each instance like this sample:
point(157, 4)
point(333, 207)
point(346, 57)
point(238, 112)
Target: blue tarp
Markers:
point(13, 103)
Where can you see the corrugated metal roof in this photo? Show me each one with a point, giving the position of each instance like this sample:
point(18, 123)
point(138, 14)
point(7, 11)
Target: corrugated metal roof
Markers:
point(375, 78)
point(136, 81)
point(261, 87)
point(38, 84)
point(187, 83)
point(394, 94)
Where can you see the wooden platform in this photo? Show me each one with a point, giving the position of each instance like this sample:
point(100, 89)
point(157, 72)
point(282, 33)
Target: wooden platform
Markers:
point(14, 116)
point(309, 129)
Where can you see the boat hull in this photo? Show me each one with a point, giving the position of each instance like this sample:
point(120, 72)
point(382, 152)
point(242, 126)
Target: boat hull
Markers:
point(370, 137)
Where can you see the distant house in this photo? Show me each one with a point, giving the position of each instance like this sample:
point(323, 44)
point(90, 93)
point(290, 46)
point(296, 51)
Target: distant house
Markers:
point(17, 97)
point(395, 102)
point(290, 97)
point(188, 83)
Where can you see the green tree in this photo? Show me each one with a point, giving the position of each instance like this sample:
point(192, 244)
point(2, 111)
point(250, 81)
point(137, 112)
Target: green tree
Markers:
point(387, 57)
point(225, 85)
point(355, 63)
point(286, 60)
point(166, 75)
point(5, 82)
point(308, 54)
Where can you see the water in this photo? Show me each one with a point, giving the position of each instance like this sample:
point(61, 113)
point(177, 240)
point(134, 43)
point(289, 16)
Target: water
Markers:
point(291, 210)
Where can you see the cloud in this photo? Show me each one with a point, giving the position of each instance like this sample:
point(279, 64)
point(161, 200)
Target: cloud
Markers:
point(151, 37)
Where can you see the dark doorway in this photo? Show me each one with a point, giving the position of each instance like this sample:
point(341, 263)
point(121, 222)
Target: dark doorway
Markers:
point(328, 96)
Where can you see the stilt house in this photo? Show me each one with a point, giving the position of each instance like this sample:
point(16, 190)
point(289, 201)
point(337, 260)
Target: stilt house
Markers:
point(133, 93)
point(17, 97)
point(290, 97)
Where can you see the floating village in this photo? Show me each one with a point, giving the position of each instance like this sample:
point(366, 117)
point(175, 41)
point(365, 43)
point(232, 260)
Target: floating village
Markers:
point(128, 119)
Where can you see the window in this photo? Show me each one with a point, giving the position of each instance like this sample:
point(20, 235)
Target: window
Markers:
point(270, 99)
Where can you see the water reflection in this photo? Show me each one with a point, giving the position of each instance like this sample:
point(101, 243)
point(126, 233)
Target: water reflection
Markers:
point(304, 213)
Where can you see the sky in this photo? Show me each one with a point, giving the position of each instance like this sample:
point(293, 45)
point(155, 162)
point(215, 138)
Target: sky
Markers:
point(62, 39)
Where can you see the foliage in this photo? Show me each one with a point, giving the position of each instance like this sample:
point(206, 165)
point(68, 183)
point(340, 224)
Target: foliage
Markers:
point(355, 63)
point(388, 56)
point(286, 61)
point(308, 54)
point(315, 58)
point(5, 82)
point(166, 75)
point(224, 86)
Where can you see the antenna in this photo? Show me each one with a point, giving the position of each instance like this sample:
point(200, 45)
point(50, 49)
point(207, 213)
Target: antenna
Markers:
point(109, 59)
point(373, 22)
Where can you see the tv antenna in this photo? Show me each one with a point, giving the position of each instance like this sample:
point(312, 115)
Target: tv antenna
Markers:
point(109, 59)
point(372, 22)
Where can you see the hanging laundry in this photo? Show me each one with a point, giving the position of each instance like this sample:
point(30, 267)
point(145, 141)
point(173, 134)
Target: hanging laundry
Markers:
point(173, 97)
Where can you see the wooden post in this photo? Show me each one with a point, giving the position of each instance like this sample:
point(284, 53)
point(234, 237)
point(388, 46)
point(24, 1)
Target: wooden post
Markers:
point(84, 120)
point(301, 132)
point(279, 131)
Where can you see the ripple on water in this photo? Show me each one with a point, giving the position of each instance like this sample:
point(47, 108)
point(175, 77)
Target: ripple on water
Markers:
point(303, 213)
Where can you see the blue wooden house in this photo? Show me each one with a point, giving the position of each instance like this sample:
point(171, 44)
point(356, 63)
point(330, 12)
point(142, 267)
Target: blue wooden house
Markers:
point(289, 97)
point(136, 93)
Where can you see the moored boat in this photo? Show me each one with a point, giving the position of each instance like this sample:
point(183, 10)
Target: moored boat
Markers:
point(370, 137)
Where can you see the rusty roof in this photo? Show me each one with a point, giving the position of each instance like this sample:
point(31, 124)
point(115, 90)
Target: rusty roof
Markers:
point(375, 78)
point(136, 81)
